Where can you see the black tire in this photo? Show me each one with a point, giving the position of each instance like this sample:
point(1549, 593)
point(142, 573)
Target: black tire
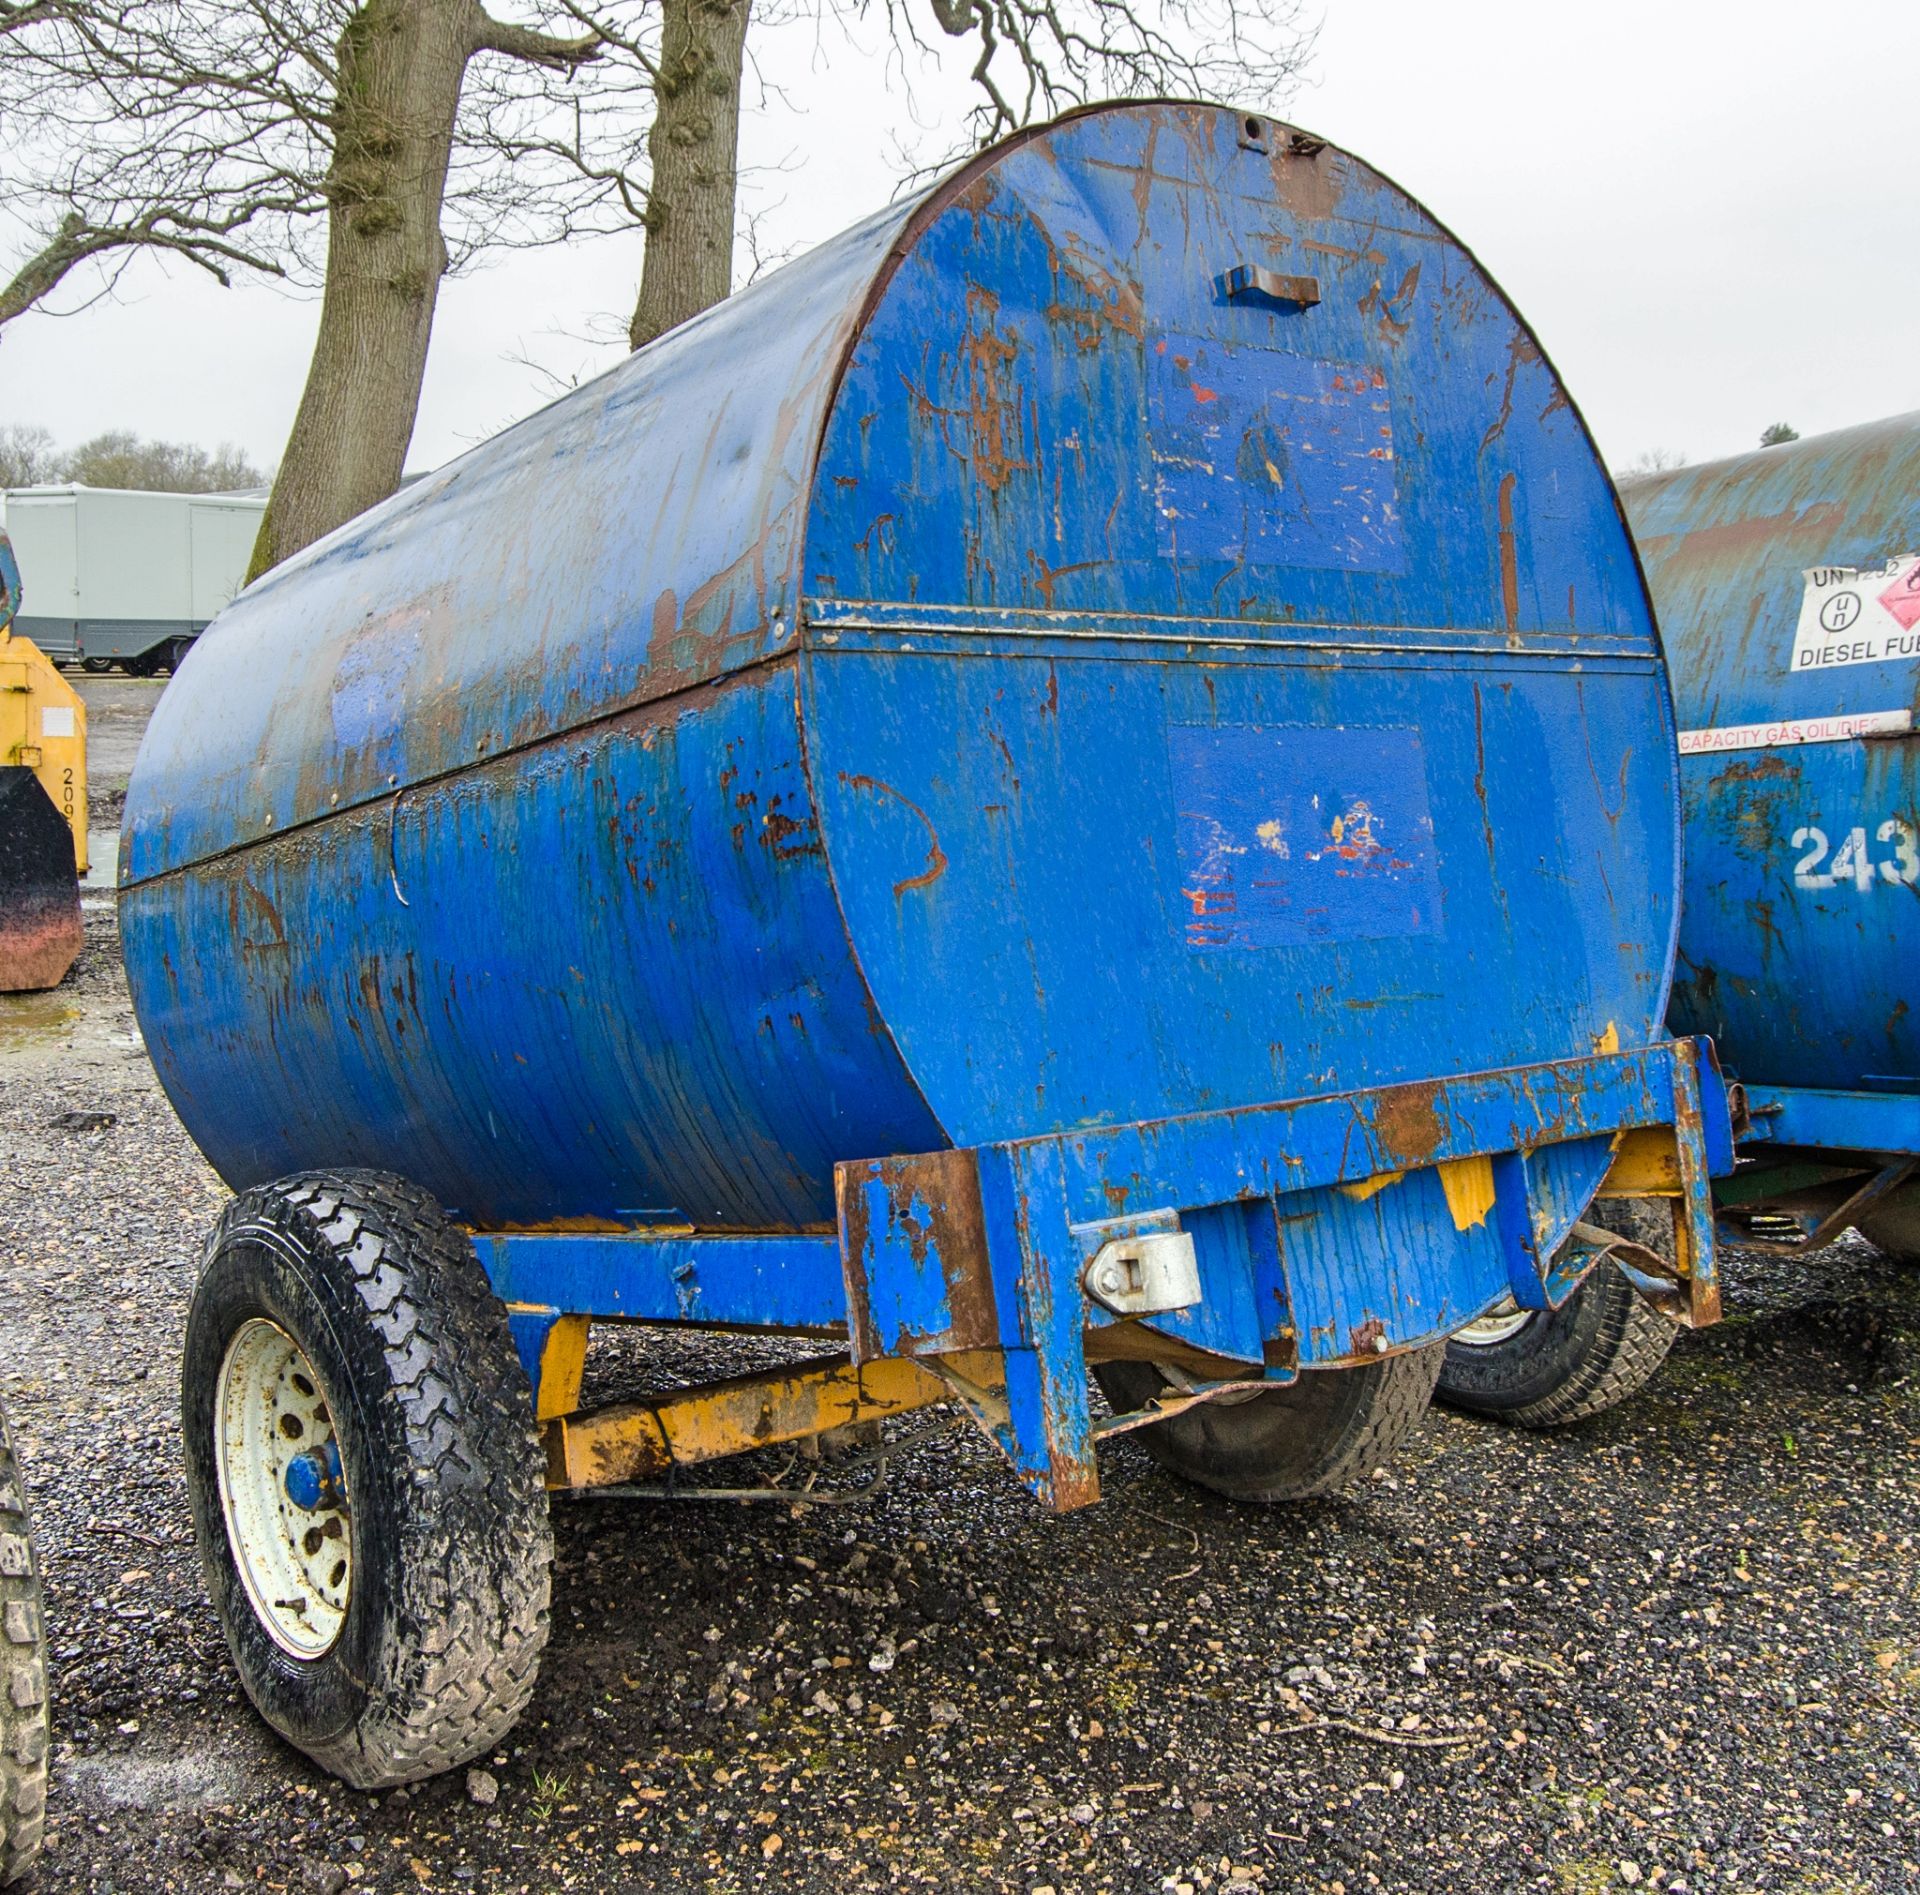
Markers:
point(1895, 1227)
point(1604, 1343)
point(1309, 1436)
point(445, 1613)
point(23, 1676)
point(96, 665)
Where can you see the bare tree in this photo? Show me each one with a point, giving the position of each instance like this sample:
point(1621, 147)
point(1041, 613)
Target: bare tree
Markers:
point(395, 106)
point(693, 148)
point(78, 238)
point(1653, 460)
point(1037, 57)
point(67, 189)
point(368, 145)
point(27, 456)
point(371, 146)
point(1032, 58)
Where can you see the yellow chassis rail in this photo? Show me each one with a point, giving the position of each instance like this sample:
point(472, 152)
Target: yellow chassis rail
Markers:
point(644, 1440)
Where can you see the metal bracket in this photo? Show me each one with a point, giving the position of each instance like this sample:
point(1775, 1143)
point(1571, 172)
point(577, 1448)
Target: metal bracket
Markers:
point(1255, 279)
point(1839, 1220)
point(1180, 1394)
point(1146, 1274)
point(1656, 1279)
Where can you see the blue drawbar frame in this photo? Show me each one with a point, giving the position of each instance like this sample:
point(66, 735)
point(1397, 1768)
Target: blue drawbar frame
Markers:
point(1797, 1139)
point(963, 1256)
point(1851, 1122)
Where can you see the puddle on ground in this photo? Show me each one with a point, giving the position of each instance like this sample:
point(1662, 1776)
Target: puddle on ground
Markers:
point(103, 859)
point(34, 1020)
point(49, 1030)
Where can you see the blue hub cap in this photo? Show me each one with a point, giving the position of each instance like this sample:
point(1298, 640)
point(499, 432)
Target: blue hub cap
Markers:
point(313, 1479)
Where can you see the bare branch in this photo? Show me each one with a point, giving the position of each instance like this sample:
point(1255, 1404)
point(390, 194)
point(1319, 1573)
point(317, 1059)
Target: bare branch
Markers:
point(538, 49)
point(201, 241)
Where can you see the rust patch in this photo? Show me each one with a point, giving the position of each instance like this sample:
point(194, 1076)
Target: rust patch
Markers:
point(1303, 176)
point(1143, 178)
point(933, 1204)
point(563, 1227)
point(1758, 533)
point(666, 614)
point(1115, 301)
point(1006, 757)
point(1047, 577)
point(1480, 786)
point(881, 527)
point(1365, 1338)
point(1406, 1124)
point(936, 856)
point(1346, 255)
point(1767, 764)
point(993, 409)
point(1386, 309)
point(1520, 352)
point(789, 838)
point(271, 935)
point(977, 195)
point(369, 985)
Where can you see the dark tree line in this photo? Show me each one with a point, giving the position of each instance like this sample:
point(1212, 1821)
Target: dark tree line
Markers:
point(118, 458)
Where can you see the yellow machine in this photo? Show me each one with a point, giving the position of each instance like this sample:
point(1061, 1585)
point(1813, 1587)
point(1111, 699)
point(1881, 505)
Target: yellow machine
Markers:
point(43, 805)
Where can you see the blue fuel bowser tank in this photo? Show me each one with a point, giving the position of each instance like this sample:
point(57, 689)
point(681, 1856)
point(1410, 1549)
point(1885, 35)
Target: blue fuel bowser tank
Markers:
point(1081, 778)
point(1788, 587)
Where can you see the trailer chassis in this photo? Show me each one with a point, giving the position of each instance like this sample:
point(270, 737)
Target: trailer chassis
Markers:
point(995, 1275)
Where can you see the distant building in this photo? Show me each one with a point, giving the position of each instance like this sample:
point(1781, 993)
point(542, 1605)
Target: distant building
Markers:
point(111, 576)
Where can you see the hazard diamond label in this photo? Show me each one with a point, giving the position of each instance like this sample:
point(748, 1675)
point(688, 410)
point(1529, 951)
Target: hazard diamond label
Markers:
point(1859, 615)
point(1902, 598)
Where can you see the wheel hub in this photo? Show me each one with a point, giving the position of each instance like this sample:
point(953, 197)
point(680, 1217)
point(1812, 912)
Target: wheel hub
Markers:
point(282, 1490)
point(1501, 1323)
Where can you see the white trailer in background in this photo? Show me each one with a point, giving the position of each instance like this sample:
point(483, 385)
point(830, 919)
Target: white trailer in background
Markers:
point(110, 575)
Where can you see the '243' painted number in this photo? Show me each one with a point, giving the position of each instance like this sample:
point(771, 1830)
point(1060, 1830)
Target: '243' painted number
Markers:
point(1853, 861)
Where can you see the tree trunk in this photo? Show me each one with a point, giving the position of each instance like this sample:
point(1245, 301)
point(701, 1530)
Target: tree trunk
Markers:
point(694, 148)
point(401, 65)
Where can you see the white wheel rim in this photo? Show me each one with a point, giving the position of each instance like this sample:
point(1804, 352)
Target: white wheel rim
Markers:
point(296, 1563)
point(1502, 1322)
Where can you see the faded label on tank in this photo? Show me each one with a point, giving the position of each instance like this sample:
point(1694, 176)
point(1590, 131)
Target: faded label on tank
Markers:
point(1268, 459)
point(1859, 615)
point(1292, 835)
point(1841, 727)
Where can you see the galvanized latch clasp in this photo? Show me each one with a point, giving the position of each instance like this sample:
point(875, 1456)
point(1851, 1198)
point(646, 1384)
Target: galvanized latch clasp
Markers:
point(1145, 1273)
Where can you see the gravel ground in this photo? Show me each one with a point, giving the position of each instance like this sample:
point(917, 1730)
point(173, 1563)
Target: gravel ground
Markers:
point(1675, 1647)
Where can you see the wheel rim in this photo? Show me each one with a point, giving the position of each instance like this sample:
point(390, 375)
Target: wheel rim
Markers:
point(295, 1560)
point(1500, 1324)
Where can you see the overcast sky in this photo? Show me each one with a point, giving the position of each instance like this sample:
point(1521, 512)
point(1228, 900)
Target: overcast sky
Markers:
point(1706, 208)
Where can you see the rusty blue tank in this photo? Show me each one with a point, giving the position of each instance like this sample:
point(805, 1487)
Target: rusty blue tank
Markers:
point(1129, 662)
point(1788, 587)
